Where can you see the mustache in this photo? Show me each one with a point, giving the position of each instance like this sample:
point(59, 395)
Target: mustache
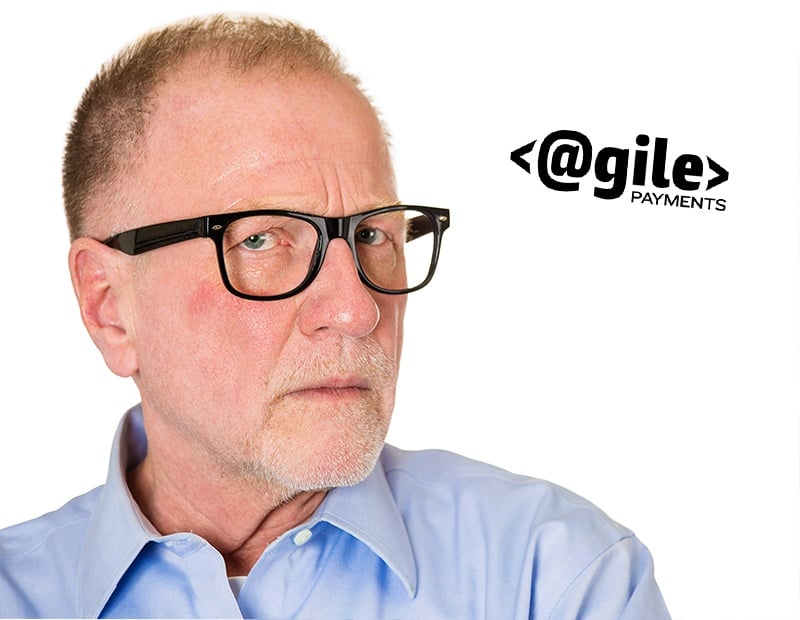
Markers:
point(364, 359)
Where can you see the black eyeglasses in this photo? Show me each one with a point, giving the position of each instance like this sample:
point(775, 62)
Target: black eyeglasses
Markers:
point(268, 254)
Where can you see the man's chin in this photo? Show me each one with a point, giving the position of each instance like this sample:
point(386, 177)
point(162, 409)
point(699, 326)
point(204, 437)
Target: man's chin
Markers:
point(308, 466)
point(322, 446)
point(328, 472)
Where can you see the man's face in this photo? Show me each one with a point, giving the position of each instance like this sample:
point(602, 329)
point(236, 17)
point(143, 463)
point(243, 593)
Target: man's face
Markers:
point(298, 391)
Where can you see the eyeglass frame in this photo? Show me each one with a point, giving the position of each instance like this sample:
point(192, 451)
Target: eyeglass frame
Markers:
point(146, 238)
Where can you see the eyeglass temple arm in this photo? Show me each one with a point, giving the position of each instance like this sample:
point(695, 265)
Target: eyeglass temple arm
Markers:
point(418, 226)
point(159, 235)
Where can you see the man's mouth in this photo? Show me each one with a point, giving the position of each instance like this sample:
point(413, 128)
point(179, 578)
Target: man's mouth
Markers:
point(334, 387)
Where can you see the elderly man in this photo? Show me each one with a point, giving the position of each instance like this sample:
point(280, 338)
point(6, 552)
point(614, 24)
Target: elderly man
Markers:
point(240, 251)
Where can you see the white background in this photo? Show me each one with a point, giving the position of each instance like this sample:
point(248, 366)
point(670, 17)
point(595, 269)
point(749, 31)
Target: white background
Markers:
point(645, 357)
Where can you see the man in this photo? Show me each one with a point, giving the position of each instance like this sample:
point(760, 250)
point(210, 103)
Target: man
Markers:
point(240, 251)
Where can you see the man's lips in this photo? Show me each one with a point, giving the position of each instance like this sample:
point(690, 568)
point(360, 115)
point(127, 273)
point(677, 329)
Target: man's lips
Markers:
point(333, 387)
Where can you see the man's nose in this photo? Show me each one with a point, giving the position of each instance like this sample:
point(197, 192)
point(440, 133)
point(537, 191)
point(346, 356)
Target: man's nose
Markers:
point(337, 299)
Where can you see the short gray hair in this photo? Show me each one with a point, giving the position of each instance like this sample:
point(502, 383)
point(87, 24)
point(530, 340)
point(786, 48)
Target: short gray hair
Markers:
point(114, 113)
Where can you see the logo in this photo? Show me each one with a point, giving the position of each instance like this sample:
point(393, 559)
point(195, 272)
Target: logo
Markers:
point(566, 158)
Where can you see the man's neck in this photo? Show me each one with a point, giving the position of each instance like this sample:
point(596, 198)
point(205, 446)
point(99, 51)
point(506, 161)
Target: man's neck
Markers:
point(240, 519)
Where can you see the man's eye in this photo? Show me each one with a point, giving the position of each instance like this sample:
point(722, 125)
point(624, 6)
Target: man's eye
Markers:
point(371, 236)
point(261, 241)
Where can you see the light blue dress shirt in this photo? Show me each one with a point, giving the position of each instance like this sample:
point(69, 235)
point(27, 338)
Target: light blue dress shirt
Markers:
point(427, 535)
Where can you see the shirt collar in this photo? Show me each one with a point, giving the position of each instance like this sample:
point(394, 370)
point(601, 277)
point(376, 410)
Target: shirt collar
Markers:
point(368, 512)
point(118, 530)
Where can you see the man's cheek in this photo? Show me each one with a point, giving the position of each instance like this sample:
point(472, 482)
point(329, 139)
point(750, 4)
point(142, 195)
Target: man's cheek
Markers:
point(390, 327)
point(239, 324)
point(210, 300)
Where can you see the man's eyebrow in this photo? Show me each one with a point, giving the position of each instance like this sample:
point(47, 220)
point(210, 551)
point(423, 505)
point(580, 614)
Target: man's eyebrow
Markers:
point(297, 204)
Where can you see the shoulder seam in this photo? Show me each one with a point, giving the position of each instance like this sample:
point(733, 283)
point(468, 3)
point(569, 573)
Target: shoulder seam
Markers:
point(43, 540)
point(599, 555)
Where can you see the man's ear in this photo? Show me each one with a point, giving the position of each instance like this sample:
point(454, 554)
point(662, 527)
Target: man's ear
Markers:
point(98, 278)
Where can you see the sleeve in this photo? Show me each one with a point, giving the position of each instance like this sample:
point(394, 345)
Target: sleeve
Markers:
point(618, 585)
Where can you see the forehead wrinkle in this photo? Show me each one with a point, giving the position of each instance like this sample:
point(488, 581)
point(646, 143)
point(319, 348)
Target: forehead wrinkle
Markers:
point(330, 193)
point(282, 203)
point(333, 191)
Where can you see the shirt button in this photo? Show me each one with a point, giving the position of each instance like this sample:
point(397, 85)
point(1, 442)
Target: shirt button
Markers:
point(302, 537)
